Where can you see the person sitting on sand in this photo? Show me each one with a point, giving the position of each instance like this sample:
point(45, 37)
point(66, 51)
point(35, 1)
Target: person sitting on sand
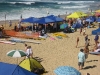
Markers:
point(81, 59)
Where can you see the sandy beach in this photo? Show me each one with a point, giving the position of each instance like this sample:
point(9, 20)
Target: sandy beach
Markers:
point(55, 53)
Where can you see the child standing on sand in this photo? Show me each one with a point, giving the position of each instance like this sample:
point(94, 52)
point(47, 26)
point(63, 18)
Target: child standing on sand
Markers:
point(77, 41)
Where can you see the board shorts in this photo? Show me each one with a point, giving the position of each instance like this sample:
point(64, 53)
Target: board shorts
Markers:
point(81, 64)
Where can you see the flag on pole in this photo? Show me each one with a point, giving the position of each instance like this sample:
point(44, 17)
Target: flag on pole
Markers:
point(5, 16)
point(21, 16)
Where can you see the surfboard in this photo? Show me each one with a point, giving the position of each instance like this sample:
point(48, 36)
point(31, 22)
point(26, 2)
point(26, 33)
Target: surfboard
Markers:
point(23, 40)
point(95, 53)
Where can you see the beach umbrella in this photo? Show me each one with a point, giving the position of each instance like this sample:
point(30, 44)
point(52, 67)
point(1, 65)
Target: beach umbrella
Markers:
point(63, 26)
point(16, 53)
point(66, 70)
point(97, 14)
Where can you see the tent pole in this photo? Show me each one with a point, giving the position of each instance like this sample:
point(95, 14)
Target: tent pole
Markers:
point(32, 27)
point(17, 60)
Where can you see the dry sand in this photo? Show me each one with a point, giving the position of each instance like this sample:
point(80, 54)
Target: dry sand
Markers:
point(55, 53)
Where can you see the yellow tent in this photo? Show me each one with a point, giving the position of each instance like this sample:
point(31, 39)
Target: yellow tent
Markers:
point(77, 15)
point(31, 64)
point(97, 10)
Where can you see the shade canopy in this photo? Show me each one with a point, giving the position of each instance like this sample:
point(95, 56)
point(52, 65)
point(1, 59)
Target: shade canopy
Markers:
point(12, 69)
point(30, 20)
point(77, 15)
point(77, 25)
point(91, 19)
point(66, 70)
point(98, 19)
point(95, 32)
point(16, 53)
point(55, 18)
point(97, 14)
point(30, 64)
point(44, 20)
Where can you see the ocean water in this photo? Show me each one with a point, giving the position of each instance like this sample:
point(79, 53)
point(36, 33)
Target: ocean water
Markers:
point(13, 9)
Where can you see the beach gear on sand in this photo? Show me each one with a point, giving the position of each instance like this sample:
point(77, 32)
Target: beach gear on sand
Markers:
point(7, 42)
point(19, 40)
point(31, 64)
point(95, 53)
point(66, 70)
point(63, 26)
point(12, 69)
point(60, 34)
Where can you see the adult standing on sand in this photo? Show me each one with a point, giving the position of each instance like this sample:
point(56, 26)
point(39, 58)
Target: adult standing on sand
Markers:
point(96, 39)
point(81, 59)
point(29, 52)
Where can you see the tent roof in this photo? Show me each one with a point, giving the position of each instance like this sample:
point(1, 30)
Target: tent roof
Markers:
point(30, 64)
point(11, 69)
point(77, 14)
point(30, 20)
point(55, 18)
point(95, 32)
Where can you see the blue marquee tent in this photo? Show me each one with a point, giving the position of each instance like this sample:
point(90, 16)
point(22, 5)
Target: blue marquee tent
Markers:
point(92, 18)
point(95, 32)
point(98, 19)
point(12, 69)
point(30, 20)
point(44, 20)
point(76, 25)
point(55, 18)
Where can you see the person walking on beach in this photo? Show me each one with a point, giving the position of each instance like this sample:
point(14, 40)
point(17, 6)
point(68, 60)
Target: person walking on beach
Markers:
point(96, 39)
point(80, 30)
point(86, 39)
point(10, 23)
point(77, 41)
point(81, 59)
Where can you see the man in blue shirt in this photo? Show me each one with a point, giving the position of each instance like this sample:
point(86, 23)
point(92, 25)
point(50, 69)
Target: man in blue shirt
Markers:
point(81, 59)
